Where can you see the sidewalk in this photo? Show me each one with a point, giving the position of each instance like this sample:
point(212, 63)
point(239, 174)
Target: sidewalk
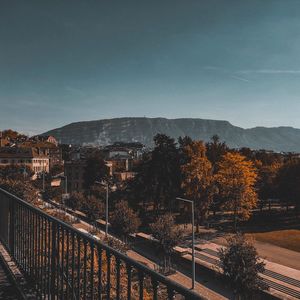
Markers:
point(7, 290)
point(180, 278)
point(284, 281)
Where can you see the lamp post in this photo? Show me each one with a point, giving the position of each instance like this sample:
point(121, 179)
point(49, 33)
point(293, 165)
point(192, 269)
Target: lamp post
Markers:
point(193, 239)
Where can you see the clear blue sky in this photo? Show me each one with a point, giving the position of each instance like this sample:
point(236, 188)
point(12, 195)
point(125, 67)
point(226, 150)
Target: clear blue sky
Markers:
point(63, 61)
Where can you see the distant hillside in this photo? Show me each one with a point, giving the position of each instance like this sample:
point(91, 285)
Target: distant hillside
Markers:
point(103, 132)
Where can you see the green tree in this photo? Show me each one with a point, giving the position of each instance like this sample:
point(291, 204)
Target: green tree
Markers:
point(236, 179)
point(215, 149)
point(75, 200)
point(124, 220)
point(95, 170)
point(288, 187)
point(266, 182)
point(168, 235)
point(165, 171)
point(93, 207)
point(241, 266)
point(158, 179)
point(198, 180)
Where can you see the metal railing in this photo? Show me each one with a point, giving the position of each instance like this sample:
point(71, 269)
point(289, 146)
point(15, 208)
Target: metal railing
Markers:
point(64, 263)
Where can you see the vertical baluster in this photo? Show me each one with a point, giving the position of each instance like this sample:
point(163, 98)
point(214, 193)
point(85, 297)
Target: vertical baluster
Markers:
point(31, 243)
point(49, 271)
point(12, 227)
point(38, 250)
point(22, 233)
point(58, 268)
point(118, 265)
point(92, 270)
point(35, 246)
point(108, 258)
point(62, 270)
point(54, 255)
point(99, 273)
point(129, 275)
point(154, 286)
point(27, 240)
point(73, 264)
point(17, 221)
point(45, 255)
point(170, 293)
point(21, 238)
point(45, 263)
point(141, 285)
point(42, 255)
point(78, 267)
point(84, 268)
point(67, 264)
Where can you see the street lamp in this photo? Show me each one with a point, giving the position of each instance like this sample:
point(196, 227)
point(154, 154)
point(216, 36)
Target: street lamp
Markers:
point(193, 239)
point(106, 206)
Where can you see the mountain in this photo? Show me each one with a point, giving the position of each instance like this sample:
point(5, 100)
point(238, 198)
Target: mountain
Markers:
point(104, 132)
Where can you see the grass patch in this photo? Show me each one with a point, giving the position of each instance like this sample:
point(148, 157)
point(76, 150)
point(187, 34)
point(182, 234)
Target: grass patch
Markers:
point(289, 239)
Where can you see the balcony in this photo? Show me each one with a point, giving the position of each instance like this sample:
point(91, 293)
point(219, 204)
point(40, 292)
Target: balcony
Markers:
point(64, 263)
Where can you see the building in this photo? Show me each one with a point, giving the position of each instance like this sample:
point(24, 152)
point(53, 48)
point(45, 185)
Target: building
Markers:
point(45, 138)
point(133, 150)
point(34, 158)
point(54, 152)
point(74, 172)
point(123, 176)
point(3, 142)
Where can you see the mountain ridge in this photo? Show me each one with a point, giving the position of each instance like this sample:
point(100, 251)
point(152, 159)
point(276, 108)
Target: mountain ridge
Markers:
point(142, 129)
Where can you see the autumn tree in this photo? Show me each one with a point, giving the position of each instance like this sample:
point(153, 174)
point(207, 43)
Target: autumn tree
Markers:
point(124, 220)
point(21, 189)
point(168, 235)
point(236, 180)
point(16, 172)
point(198, 180)
point(241, 266)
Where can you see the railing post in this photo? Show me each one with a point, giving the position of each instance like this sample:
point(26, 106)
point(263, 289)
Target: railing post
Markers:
point(53, 260)
point(12, 221)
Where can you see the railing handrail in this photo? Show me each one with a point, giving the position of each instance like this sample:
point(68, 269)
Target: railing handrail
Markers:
point(133, 263)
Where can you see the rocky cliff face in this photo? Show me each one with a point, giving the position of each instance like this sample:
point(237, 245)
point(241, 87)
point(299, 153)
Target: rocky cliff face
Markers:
point(142, 130)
